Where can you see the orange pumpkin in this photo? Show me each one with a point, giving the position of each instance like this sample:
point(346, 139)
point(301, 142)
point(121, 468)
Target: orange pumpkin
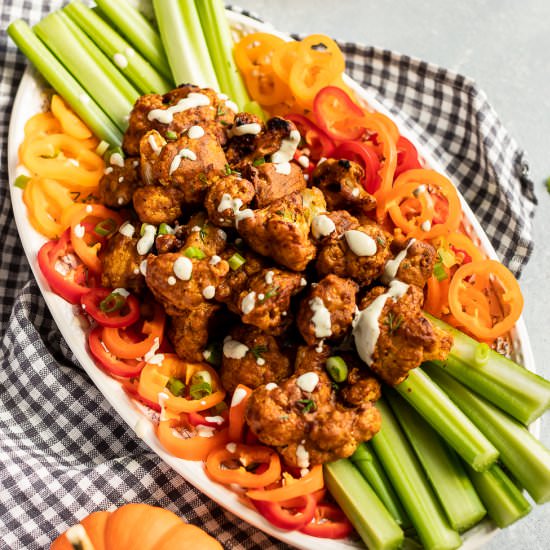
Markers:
point(134, 527)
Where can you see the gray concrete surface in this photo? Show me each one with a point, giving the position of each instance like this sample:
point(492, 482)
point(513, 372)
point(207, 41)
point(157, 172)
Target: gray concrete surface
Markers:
point(505, 46)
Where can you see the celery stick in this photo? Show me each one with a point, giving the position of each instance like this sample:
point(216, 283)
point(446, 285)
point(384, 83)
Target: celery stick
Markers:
point(138, 31)
point(184, 43)
point(449, 480)
point(144, 77)
point(220, 46)
point(368, 464)
point(94, 71)
point(64, 83)
point(504, 501)
point(519, 392)
point(410, 483)
point(526, 458)
point(448, 420)
point(363, 508)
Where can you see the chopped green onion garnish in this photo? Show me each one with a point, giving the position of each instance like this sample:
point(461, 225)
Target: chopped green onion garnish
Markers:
point(171, 135)
point(269, 294)
point(481, 354)
point(439, 272)
point(201, 376)
point(105, 227)
point(200, 390)
point(102, 148)
point(194, 252)
point(21, 181)
point(111, 303)
point(236, 261)
point(175, 386)
point(308, 405)
point(337, 368)
point(258, 351)
point(165, 229)
point(259, 161)
point(213, 354)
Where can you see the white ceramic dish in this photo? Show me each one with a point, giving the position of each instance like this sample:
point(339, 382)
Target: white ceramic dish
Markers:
point(29, 101)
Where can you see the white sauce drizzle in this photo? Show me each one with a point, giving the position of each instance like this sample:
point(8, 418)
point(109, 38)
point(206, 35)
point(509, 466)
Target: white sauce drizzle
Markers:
point(308, 381)
point(302, 457)
point(205, 431)
point(120, 60)
point(271, 386)
point(252, 129)
point(117, 160)
point(288, 148)
point(231, 105)
point(195, 132)
point(283, 168)
point(360, 243)
point(269, 277)
point(155, 147)
point(171, 280)
point(227, 202)
point(209, 292)
point(166, 116)
point(215, 419)
point(146, 242)
point(366, 328)
point(321, 226)
point(234, 349)
point(122, 292)
point(238, 396)
point(215, 260)
point(79, 231)
point(303, 161)
point(183, 268)
point(127, 229)
point(248, 303)
point(392, 266)
point(426, 225)
point(321, 318)
point(182, 154)
point(143, 267)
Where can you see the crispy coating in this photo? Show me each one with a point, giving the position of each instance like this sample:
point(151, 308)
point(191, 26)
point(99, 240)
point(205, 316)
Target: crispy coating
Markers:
point(231, 193)
point(240, 148)
point(418, 265)
point(266, 302)
point(314, 427)
point(120, 262)
point(155, 204)
point(190, 165)
point(264, 362)
point(117, 185)
point(341, 183)
point(271, 185)
point(200, 233)
point(237, 280)
point(215, 116)
point(281, 231)
point(337, 295)
point(175, 294)
point(406, 338)
point(335, 256)
point(189, 332)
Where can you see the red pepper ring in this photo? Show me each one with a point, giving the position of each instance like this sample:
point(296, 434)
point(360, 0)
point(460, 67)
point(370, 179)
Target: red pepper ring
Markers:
point(407, 156)
point(366, 157)
point(109, 362)
point(125, 349)
point(124, 316)
point(72, 285)
point(328, 522)
point(318, 142)
point(288, 518)
point(243, 457)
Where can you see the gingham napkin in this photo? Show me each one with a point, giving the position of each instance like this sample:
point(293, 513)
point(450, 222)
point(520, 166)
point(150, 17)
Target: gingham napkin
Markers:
point(63, 451)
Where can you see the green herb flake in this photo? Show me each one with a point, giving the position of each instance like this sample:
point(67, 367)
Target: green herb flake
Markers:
point(203, 178)
point(220, 112)
point(203, 233)
point(259, 161)
point(171, 135)
point(393, 322)
point(194, 252)
point(308, 405)
point(273, 291)
point(381, 241)
point(175, 386)
point(439, 272)
point(547, 183)
point(258, 351)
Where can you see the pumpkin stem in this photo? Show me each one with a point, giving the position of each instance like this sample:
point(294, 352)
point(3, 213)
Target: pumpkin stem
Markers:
point(78, 537)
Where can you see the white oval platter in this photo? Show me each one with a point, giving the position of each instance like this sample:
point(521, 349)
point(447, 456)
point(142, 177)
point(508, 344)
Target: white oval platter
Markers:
point(30, 100)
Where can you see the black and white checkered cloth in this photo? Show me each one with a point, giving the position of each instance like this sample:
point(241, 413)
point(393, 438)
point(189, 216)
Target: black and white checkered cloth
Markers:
point(63, 451)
